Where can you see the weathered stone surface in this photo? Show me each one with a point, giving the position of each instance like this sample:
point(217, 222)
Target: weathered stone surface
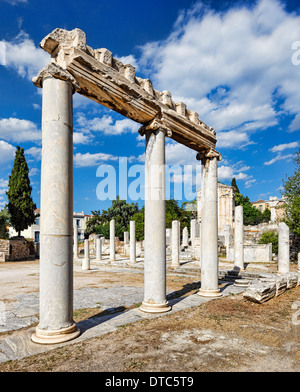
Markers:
point(260, 292)
point(108, 81)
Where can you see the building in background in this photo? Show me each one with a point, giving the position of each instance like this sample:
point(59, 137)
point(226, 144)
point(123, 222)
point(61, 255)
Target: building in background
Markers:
point(274, 204)
point(33, 231)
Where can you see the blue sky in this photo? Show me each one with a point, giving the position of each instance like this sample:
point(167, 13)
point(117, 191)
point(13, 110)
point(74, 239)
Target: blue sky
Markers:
point(236, 63)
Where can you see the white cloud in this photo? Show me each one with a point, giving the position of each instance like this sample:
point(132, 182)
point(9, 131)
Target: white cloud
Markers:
point(85, 160)
point(16, 2)
point(81, 138)
point(106, 125)
point(232, 139)
point(24, 56)
point(231, 67)
point(130, 59)
point(35, 152)
point(7, 152)
point(18, 130)
point(282, 147)
point(278, 158)
point(3, 183)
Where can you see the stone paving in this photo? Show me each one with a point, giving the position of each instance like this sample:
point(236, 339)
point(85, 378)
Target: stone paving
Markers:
point(23, 311)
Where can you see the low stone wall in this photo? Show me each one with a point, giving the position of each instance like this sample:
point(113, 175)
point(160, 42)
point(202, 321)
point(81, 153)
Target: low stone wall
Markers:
point(16, 250)
point(260, 253)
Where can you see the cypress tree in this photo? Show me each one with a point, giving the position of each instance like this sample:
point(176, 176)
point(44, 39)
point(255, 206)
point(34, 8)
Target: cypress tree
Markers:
point(20, 204)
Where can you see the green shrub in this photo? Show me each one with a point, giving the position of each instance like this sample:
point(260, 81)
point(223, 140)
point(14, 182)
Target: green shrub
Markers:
point(270, 237)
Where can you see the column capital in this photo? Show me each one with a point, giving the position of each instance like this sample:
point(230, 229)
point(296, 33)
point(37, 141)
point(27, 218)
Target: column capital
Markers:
point(153, 126)
point(55, 71)
point(205, 155)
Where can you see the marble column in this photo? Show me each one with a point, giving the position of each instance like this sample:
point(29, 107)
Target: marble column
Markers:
point(185, 237)
point(126, 238)
point(86, 258)
point(299, 263)
point(98, 249)
point(239, 238)
point(75, 246)
point(56, 322)
point(132, 241)
point(193, 231)
point(283, 248)
point(155, 298)
point(112, 238)
point(175, 244)
point(209, 225)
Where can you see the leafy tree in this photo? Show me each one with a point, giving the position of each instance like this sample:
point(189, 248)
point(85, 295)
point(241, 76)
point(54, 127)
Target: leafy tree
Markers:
point(270, 237)
point(20, 204)
point(234, 185)
point(291, 193)
point(139, 219)
point(120, 211)
point(252, 216)
point(4, 221)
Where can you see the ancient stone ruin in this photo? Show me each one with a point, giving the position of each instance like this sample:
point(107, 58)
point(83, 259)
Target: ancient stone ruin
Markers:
point(96, 74)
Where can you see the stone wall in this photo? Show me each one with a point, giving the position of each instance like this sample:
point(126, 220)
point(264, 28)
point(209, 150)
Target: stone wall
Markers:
point(256, 253)
point(16, 250)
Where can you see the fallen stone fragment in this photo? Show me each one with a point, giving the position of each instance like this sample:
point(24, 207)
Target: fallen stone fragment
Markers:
point(260, 292)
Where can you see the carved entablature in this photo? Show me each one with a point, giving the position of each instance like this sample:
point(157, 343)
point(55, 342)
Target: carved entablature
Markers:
point(108, 81)
point(205, 155)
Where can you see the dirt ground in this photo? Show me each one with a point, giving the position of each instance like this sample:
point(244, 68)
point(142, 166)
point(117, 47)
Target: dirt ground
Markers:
point(228, 334)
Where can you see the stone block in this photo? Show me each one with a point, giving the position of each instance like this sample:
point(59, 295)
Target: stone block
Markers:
point(260, 292)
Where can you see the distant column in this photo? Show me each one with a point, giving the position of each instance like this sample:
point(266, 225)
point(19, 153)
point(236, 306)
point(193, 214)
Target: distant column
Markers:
point(75, 237)
point(185, 236)
point(299, 263)
point(283, 248)
point(175, 244)
point(112, 239)
point(86, 257)
point(132, 242)
point(193, 231)
point(98, 249)
point(126, 238)
point(239, 238)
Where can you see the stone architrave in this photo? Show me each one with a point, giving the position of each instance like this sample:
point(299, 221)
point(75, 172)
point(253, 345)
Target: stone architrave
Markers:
point(209, 225)
point(56, 322)
point(155, 296)
point(75, 246)
point(175, 244)
point(132, 241)
point(112, 245)
point(239, 238)
point(86, 257)
point(283, 248)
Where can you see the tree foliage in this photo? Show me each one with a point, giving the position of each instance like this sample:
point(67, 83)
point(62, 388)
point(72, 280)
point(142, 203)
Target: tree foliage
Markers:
point(252, 216)
point(270, 237)
point(291, 194)
point(20, 204)
point(4, 222)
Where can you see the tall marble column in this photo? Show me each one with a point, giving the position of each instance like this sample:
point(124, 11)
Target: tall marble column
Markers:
point(132, 242)
point(283, 248)
point(155, 298)
point(56, 323)
point(209, 224)
point(239, 238)
point(112, 239)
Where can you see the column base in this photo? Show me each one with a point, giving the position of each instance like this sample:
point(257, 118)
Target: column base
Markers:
point(210, 293)
point(43, 336)
point(155, 308)
point(175, 265)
